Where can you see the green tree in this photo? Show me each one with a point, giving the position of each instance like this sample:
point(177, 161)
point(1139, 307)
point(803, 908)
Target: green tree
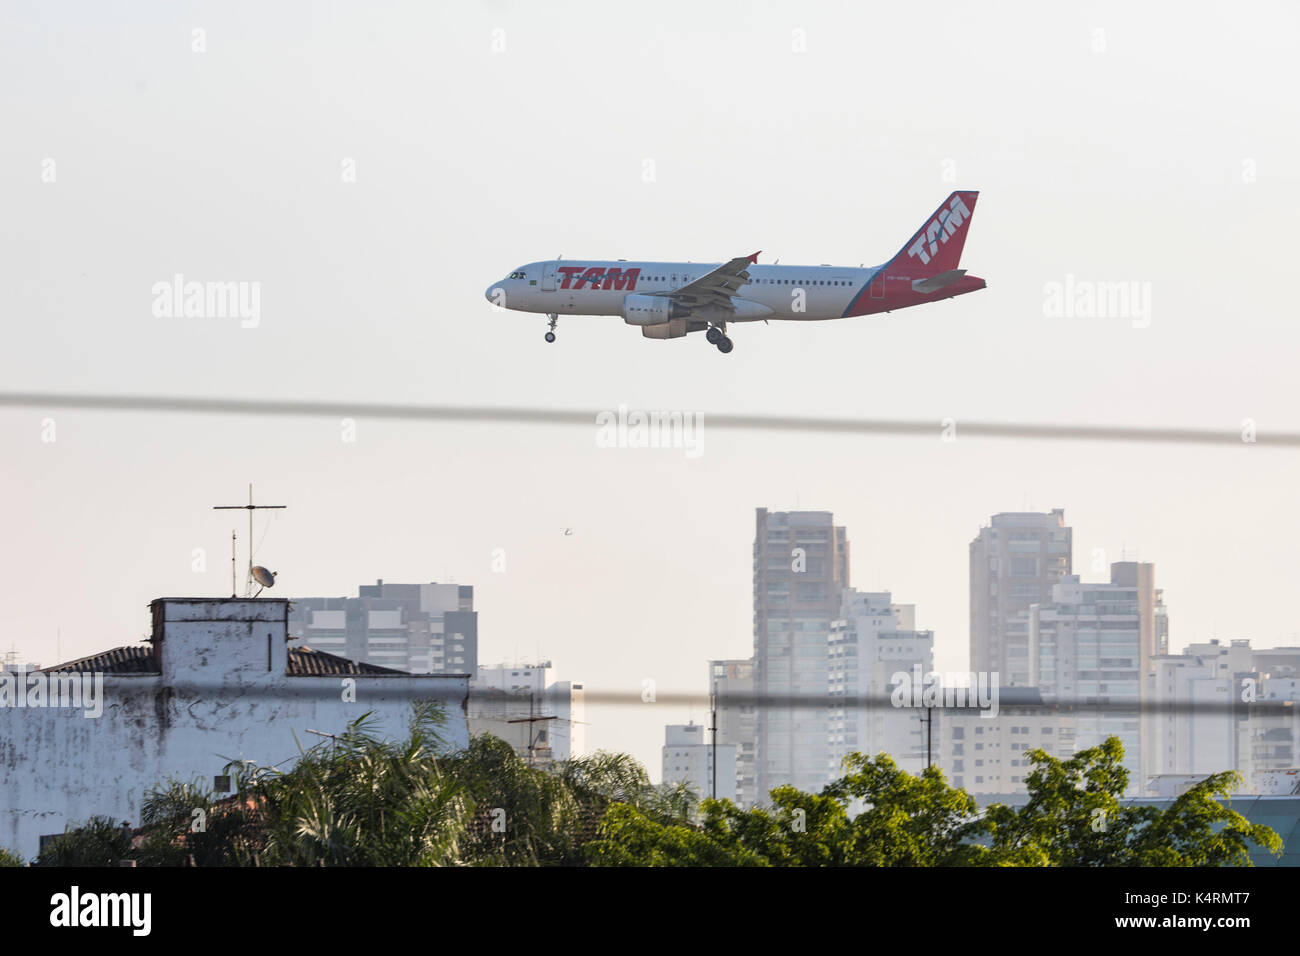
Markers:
point(603, 777)
point(879, 815)
point(628, 836)
point(100, 841)
point(361, 801)
point(905, 821)
point(186, 822)
point(1074, 817)
point(10, 859)
point(520, 815)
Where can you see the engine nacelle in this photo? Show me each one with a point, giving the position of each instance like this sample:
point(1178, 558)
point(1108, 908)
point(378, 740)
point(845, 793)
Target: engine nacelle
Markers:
point(652, 310)
point(673, 329)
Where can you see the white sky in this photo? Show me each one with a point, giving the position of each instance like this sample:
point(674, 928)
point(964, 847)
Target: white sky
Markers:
point(1168, 158)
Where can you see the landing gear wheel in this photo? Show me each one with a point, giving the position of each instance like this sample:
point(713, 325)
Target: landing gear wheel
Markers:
point(725, 345)
point(714, 335)
point(550, 336)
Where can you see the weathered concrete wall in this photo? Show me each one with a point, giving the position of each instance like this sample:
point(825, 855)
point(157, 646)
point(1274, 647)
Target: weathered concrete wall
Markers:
point(215, 701)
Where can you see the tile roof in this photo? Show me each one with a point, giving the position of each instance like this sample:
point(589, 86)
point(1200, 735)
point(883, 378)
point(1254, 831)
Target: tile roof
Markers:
point(304, 662)
point(139, 659)
point(131, 659)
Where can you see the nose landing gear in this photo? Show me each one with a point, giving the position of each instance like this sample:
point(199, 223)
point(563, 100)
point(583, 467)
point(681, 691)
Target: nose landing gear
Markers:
point(550, 333)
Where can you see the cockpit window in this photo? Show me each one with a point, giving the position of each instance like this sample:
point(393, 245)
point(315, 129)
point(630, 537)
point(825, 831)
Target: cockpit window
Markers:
point(515, 275)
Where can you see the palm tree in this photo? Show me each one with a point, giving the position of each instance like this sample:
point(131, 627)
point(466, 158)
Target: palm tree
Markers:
point(362, 801)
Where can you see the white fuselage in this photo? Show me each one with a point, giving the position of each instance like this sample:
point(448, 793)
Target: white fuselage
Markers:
point(599, 287)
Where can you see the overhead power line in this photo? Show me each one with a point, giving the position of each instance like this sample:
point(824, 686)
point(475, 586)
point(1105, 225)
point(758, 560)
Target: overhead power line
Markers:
point(513, 415)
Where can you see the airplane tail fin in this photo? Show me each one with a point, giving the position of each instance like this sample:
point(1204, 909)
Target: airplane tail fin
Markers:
point(936, 246)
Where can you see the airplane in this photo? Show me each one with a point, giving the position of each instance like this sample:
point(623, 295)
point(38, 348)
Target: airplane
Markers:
point(668, 300)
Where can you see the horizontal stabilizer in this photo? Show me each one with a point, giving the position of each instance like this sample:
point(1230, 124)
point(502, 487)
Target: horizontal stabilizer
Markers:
point(937, 282)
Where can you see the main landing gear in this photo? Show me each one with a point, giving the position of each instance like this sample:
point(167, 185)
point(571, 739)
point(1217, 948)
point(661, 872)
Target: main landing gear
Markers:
point(716, 335)
point(550, 334)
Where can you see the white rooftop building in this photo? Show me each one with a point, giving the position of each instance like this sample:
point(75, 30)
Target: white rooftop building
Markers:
point(216, 682)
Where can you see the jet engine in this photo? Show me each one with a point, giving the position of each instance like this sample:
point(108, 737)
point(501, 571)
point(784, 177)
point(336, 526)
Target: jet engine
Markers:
point(652, 310)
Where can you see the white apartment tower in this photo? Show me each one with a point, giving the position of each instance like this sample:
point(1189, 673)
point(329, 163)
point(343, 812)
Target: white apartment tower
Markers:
point(872, 641)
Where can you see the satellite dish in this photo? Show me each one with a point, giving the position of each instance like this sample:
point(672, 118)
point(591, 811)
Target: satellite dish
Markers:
point(263, 577)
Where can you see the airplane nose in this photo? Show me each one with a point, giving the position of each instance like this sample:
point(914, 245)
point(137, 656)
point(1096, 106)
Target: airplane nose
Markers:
point(487, 293)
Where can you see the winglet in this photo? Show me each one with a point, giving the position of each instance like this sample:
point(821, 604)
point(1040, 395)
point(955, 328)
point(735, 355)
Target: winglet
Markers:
point(754, 257)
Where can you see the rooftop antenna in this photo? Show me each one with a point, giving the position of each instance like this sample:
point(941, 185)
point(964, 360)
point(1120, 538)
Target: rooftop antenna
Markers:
point(531, 719)
point(250, 508)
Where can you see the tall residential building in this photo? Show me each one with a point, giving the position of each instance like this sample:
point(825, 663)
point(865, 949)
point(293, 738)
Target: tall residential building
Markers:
point(688, 757)
point(873, 640)
point(733, 681)
point(1093, 644)
point(420, 628)
point(522, 703)
point(1014, 563)
point(801, 563)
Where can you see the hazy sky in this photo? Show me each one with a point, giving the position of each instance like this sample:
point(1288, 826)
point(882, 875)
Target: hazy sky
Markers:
point(1108, 143)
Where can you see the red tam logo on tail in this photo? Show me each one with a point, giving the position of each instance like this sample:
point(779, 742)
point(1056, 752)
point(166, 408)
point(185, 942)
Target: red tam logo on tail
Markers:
point(930, 247)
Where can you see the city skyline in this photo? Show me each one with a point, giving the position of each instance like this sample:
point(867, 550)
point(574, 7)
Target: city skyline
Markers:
point(602, 712)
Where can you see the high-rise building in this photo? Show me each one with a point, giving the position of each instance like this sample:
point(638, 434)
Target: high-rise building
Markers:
point(801, 564)
point(1014, 563)
point(688, 757)
point(420, 628)
point(874, 640)
point(1093, 644)
point(733, 682)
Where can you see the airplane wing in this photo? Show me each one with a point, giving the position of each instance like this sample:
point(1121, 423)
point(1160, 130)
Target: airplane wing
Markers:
point(717, 287)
